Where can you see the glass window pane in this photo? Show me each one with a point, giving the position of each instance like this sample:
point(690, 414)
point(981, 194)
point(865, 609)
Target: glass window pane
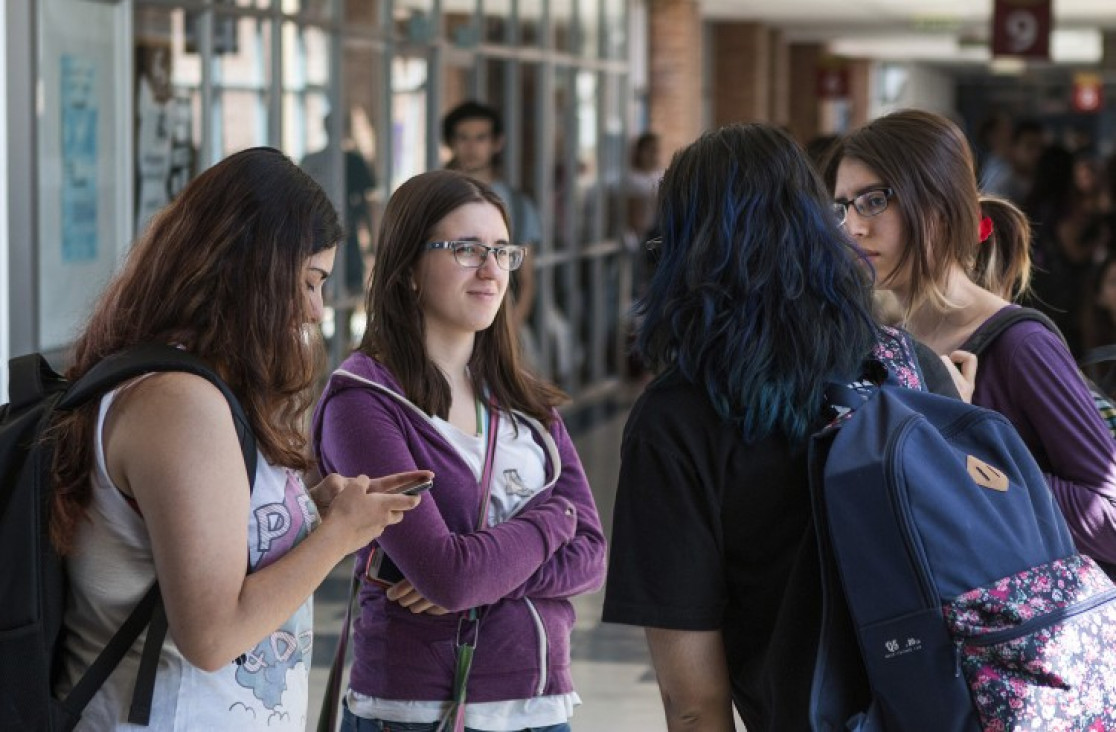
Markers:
point(497, 17)
point(245, 62)
point(408, 89)
point(462, 27)
point(615, 29)
point(315, 10)
point(248, 3)
point(363, 13)
point(589, 187)
point(167, 136)
point(589, 21)
point(530, 22)
point(241, 118)
point(565, 33)
point(414, 20)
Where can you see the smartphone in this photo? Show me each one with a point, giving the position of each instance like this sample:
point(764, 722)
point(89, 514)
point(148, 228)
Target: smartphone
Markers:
point(380, 569)
point(413, 487)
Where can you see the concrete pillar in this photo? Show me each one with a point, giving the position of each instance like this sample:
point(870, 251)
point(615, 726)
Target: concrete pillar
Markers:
point(674, 83)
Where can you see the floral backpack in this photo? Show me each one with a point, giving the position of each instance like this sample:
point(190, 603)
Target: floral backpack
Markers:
point(948, 572)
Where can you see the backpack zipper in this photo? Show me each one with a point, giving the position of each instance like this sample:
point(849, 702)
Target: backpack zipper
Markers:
point(1030, 626)
point(900, 505)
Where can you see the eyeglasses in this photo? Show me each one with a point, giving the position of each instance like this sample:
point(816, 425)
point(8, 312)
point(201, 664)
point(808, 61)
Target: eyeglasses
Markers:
point(870, 203)
point(472, 254)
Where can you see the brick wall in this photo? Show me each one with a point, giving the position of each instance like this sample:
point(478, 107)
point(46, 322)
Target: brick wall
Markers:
point(675, 73)
point(741, 73)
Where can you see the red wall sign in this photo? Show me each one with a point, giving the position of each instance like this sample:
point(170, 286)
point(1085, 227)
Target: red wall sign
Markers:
point(1087, 94)
point(1021, 28)
point(833, 82)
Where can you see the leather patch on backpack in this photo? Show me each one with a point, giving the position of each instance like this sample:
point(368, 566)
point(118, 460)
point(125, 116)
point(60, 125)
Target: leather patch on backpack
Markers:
point(985, 475)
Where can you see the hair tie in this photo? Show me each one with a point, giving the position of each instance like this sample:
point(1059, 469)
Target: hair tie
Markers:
point(985, 229)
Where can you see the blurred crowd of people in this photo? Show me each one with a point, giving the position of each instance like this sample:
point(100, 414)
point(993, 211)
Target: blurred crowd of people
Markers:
point(1068, 190)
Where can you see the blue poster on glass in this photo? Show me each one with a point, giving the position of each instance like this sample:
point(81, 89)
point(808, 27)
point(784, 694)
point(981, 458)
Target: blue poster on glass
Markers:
point(79, 159)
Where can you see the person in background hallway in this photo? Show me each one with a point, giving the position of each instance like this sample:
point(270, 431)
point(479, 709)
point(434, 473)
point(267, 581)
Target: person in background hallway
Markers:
point(1028, 139)
point(640, 204)
point(758, 298)
point(1066, 211)
point(510, 529)
point(359, 182)
point(152, 483)
point(994, 152)
point(474, 133)
point(907, 182)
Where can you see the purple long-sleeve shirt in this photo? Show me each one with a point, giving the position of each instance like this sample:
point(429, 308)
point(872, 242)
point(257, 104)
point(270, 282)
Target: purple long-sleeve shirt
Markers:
point(1029, 376)
point(522, 571)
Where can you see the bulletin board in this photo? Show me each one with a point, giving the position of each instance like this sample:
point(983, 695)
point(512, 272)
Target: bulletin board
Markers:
point(84, 158)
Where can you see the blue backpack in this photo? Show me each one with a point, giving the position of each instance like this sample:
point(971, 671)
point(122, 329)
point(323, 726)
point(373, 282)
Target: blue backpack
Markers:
point(949, 575)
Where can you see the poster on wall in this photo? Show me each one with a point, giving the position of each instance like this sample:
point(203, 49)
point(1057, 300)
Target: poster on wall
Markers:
point(79, 159)
point(83, 160)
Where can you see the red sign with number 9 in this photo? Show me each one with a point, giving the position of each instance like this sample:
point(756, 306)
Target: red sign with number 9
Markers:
point(1021, 28)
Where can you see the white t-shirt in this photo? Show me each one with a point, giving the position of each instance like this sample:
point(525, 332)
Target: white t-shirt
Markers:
point(112, 567)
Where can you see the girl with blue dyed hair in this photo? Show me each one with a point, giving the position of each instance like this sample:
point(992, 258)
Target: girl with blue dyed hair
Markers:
point(757, 299)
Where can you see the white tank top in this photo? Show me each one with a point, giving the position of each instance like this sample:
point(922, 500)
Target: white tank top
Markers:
point(111, 568)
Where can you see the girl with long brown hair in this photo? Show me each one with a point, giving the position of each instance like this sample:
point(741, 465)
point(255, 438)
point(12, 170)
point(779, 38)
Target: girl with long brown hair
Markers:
point(151, 483)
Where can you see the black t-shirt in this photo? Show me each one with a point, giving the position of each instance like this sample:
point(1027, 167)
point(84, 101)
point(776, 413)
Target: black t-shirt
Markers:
point(713, 533)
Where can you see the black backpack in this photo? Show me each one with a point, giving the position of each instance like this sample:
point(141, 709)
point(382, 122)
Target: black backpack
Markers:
point(32, 576)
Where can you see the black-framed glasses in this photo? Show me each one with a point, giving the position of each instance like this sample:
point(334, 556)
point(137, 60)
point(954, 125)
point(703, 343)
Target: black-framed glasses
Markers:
point(872, 202)
point(472, 254)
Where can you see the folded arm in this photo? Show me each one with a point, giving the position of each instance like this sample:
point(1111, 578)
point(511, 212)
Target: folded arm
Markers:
point(362, 433)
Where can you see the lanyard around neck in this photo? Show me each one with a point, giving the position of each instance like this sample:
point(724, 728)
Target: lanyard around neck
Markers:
point(490, 430)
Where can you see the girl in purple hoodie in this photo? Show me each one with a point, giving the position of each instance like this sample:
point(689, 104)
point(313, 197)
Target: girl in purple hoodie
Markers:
point(905, 189)
point(487, 564)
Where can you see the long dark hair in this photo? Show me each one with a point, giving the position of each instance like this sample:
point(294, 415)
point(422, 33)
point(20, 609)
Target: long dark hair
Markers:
point(758, 295)
point(395, 330)
point(218, 272)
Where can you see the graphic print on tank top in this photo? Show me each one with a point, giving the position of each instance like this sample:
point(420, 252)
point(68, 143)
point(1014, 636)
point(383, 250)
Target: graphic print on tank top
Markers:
point(274, 529)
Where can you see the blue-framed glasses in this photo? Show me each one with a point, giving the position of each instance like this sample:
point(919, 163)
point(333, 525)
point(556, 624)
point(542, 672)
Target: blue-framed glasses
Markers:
point(870, 203)
point(472, 254)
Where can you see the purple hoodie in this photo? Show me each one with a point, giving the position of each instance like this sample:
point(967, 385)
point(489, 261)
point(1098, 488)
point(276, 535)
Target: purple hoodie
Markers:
point(1029, 376)
point(521, 572)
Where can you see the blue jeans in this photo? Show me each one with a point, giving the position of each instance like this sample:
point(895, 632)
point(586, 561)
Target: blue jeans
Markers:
point(352, 723)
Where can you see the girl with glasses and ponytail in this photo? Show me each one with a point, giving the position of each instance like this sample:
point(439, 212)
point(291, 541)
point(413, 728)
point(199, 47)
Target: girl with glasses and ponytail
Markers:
point(905, 191)
point(483, 570)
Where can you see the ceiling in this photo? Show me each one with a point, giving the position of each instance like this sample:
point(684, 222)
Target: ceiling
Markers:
point(949, 32)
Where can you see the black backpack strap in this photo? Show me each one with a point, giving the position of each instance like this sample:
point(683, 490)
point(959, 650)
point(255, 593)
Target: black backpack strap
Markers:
point(111, 656)
point(145, 358)
point(991, 329)
point(144, 690)
point(149, 612)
